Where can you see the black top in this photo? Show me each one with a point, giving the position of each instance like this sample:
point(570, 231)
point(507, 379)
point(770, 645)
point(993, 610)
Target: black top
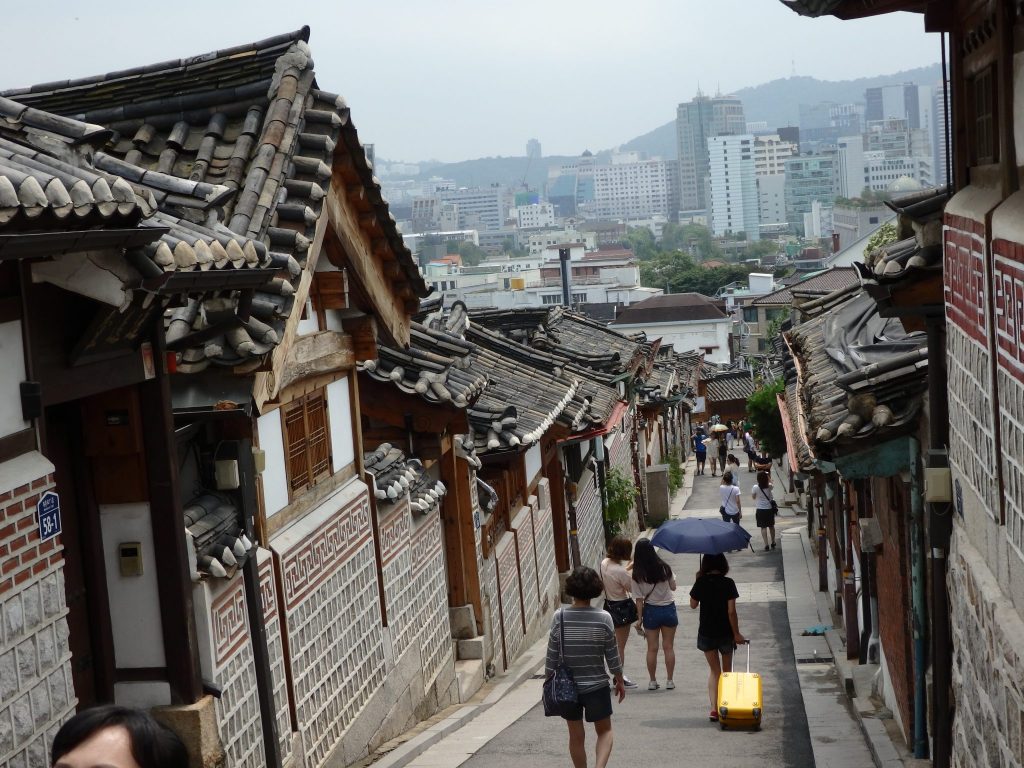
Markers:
point(714, 591)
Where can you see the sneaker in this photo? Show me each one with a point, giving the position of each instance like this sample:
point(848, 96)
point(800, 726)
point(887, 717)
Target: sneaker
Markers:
point(653, 685)
point(713, 716)
point(628, 683)
point(669, 685)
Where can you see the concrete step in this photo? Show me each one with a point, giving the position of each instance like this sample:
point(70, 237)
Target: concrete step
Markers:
point(470, 675)
point(466, 650)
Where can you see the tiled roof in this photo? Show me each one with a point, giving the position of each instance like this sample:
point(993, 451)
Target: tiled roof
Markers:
point(394, 476)
point(247, 131)
point(214, 529)
point(821, 283)
point(675, 307)
point(730, 386)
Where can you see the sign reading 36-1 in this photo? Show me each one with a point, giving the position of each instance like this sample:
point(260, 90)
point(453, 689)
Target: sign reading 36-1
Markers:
point(48, 514)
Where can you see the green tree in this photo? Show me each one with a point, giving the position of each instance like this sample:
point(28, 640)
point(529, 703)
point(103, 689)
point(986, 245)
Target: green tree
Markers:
point(641, 241)
point(471, 254)
point(763, 412)
point(883, 236)
point(619, 496)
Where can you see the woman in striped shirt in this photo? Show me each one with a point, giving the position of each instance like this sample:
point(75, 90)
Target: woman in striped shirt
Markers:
point(589, 646)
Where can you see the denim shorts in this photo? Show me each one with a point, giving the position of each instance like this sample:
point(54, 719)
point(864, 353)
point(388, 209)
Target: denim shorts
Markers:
point(657, 616)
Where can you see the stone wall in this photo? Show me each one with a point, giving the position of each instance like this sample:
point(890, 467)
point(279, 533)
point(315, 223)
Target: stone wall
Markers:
point(589, 520)
point(36, 687)
point(621, 456)
point(988, 664)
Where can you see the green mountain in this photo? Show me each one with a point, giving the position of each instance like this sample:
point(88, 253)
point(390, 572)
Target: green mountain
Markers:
point(776, 102)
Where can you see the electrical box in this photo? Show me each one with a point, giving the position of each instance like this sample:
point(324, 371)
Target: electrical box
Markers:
point(870, 534)
point(226, 471)
point(259, 460)
point(129, 556)
point(938, 485)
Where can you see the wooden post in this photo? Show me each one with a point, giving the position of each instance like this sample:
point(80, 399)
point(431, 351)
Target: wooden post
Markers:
point(553, 472)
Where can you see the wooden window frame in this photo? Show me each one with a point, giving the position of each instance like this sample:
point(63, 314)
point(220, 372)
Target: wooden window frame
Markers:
point(983, 125)
point(313, 446)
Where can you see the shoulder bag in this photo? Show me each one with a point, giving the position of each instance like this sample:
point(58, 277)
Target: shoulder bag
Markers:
point(560, 693)
point(623, 612)
point(771, 500)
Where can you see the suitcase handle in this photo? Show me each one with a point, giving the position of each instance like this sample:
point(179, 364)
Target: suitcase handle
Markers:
point(748, 656)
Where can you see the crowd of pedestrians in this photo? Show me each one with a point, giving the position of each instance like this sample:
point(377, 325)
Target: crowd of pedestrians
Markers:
point(639, 595)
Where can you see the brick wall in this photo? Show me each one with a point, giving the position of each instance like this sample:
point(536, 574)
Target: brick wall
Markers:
point(36, 688)
point(544, 535)
point(894, 610)
point(988, 665)
point(589, 520)
point(509, 597)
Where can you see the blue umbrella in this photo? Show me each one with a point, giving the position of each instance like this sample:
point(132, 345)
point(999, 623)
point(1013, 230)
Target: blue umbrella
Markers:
point(700, 535)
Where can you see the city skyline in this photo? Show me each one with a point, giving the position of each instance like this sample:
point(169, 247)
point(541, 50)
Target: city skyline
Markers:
point(493, 91)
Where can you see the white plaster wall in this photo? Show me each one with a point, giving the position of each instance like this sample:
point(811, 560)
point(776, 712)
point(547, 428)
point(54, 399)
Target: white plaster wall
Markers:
point(308, 324)
point(339, 408)
point(533, 462)
point(688, 336)
point(12, 373)
point(333, 321)
point(275, 476)
point(134, 600)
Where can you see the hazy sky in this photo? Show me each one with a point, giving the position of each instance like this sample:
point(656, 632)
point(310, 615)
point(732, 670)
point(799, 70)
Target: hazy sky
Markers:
point(458, 79)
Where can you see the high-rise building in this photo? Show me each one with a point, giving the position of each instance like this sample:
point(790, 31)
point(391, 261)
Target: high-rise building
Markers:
point(632, 189)
point(850, 178)
point(940, 133)
point(533, 149)
point(733, 186)
point(770, 153)
point(697, 121)
point(809, 179)
point(909, 101)
point(771, 199)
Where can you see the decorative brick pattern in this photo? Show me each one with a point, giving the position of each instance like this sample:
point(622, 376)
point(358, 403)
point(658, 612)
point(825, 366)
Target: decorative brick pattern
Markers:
point(544, 536)
point(972, 449)
point(988, 665)
point(964, 286)
point(522, 529)
point(509, 597)
point(238, 708)
point(275, 649)
point(36, 686)
point(430, 596)
point(396, 556)
point(489, 580)
point(332, 620)
point(589, 521)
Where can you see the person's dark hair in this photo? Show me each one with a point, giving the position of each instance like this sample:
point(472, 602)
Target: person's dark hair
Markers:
point(762, 480)
point(647, 566)
point(583, 583)
point(727, 478)
point(153, 744)
point(619, 548)
point(711, 563)
point(733, 460)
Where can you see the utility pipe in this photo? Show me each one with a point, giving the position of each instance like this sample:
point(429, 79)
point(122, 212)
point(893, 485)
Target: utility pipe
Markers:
point(917, 597)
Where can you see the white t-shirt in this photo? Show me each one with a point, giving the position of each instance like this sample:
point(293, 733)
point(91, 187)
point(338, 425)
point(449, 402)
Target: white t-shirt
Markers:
point(659, 594)
point(762, 499)
point(617, 581)
point(730, 496)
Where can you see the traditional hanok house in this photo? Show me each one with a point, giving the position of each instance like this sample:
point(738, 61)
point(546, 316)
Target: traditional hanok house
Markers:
point(725, 394)
point(492, 413)
point(284, 267)
point(860, 382)
point(689, 366)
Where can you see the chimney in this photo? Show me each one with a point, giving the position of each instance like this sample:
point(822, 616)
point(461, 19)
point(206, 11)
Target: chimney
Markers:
point(563, 259)
point(835, 242)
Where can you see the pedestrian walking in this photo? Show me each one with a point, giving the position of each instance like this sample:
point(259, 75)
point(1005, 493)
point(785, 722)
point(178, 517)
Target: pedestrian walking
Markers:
point(722, 451)
point(652, 587)
point(116, 737)
point(700, 450)
point(749, 448)
point(765, 508)
point(588, 649)
point(731, 509)
point(711, 445)
point(733, 465)
point(718, 632)
point(618, 585)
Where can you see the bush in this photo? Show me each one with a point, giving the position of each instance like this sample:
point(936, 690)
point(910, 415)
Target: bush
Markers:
point(675, 473)
point(763, 413)
point(620, 495)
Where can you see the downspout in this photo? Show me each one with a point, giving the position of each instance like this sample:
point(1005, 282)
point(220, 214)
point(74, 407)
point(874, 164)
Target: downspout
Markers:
point(917, 599)
point(602, 481)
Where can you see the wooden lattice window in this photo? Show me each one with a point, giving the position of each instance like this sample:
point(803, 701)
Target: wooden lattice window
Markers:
point(983, 126)
point(307, 441)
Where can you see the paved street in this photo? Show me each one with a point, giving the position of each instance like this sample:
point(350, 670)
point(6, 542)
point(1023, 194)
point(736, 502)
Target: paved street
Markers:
point(661, 727)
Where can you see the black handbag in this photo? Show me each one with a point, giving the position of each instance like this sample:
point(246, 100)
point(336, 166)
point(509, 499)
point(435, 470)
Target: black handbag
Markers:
point(560, 693)
point(623, 612)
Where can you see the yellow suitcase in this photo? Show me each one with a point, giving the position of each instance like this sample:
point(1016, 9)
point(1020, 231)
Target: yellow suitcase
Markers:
point(739, 698)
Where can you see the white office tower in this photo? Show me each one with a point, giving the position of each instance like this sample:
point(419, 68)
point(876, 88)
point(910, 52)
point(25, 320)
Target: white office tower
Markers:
point(733, 186)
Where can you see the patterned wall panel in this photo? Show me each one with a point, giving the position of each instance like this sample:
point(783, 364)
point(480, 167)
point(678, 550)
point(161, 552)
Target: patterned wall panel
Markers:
point(522, 529)
point(238, 707)
point(1009, 327)
point(509, 596)
point(429, 594)
point(395, 529)
point(971, 413)
point(332, 618)
point(275, 648)
point(589, 520)
point(544, 536)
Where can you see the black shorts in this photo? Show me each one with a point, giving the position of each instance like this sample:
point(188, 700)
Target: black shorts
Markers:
point(765, 518)
point(596, 705)
point(723, 645)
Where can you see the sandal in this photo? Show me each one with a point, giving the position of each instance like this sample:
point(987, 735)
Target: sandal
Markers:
point(713, 716)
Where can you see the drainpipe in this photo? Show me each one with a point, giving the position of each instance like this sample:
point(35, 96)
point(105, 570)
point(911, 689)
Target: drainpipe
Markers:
point(563, 259)
point(601, 470)
point(917, 599)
